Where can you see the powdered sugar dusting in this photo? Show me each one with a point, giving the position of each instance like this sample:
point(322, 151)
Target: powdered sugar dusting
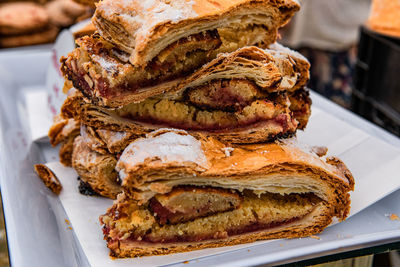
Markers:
point(114, 136)
point(104, 63)
point(146, 14)
point(292, 142)
point(286, 51)
point(309, 155)
point(167, 147)
point(227, 151)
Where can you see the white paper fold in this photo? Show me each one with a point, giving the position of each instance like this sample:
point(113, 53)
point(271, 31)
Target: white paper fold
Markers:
point(374, 164)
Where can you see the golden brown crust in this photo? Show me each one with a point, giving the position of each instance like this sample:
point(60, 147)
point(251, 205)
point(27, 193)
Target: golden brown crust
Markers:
point(150, 27)
point(96, 169)
point(48, 178)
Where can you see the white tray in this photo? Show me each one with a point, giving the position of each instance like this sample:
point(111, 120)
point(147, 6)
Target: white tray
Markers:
point(38, 235)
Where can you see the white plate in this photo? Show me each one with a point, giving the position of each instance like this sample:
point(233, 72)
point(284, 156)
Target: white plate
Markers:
point(35, 223)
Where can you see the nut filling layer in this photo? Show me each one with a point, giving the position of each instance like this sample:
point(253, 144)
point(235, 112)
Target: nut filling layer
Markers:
point(230, 213)
point(215, 107)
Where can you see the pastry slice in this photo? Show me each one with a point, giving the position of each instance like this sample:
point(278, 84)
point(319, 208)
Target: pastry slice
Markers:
point(96, 69)
point(182, 194)
point(279, 116)
point(164, 32)
point(165, 51)
point(240, 97)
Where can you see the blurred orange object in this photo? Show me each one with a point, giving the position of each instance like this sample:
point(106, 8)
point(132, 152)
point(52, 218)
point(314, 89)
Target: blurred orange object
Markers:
point(385, 17)
point(91, 3)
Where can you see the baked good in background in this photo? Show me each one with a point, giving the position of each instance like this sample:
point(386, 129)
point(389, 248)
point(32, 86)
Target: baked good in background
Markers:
point(182, 194)
point(22, 17)
point(47, 36)
point(384, 17)
point(29, 23)
point(64, 13)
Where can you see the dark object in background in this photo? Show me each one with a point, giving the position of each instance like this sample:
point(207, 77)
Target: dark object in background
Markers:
point(376, 95)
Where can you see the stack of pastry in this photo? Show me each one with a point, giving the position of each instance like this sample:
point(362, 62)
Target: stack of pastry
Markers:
point(176, 110)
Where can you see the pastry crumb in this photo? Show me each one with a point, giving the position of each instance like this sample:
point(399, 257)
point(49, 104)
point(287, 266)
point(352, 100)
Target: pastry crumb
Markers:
point(69, 228)
point(394, 217)
point(281, 245)
point(67, 222)
point(48, 178)
point(315, 237)
point(185, 262)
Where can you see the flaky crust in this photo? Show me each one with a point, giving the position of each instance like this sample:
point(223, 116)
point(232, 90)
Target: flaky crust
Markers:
point(95, 169)
point(283, 168)
point(106, 141)
point(144, 28)
point(273, 70)
point(62, 129)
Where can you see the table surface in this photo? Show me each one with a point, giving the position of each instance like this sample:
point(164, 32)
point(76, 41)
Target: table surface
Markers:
point(17, 62)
